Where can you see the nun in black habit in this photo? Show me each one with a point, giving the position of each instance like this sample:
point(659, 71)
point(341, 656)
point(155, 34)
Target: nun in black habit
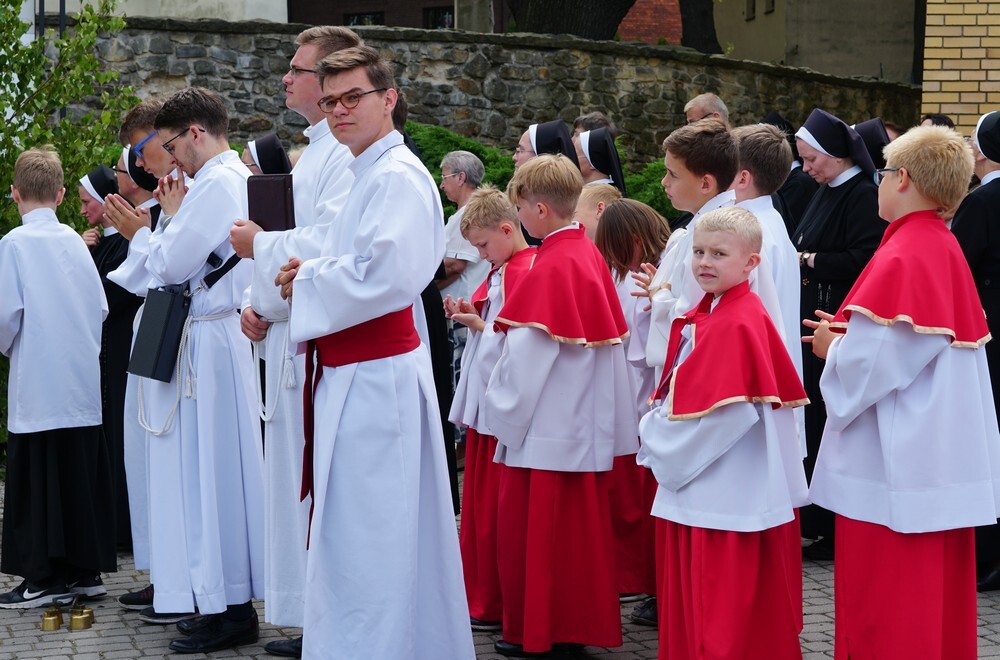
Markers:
point(839, 232)
point(600, 162)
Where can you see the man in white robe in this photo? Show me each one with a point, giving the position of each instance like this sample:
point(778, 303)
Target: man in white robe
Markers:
point(206, 549)
point(321, 182)
point(383, 573)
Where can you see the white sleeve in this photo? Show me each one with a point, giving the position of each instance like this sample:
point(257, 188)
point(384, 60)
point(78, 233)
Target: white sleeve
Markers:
point(870, 361)
point(517, 382)
point(271, 251)
point(11, 297)
point(678, 451)
point(132, 275)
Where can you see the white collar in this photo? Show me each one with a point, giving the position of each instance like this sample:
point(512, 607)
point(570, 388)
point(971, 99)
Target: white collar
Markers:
point(607, 180)
point(992, 176)
point(110, 231)
point(795, 163)
point(844, 176)
point(572, 225)
point(317, 131)
point(724, 198)
point(39, 215)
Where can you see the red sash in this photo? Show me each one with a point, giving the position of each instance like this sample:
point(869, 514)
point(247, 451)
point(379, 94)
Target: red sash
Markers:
point(382, 337)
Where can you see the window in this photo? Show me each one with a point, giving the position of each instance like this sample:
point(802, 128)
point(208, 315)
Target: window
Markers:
point(437, 18)
point(750, 12)
point(768, 6)
point(367, 18)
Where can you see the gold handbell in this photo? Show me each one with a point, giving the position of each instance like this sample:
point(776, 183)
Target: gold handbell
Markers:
point(52, 619)
point(81, 621)
point(85, 612)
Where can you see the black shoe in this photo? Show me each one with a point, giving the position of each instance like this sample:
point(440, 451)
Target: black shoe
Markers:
point(645, 613)
point(286, 648)
point(137, 600)
point(194, 624)
point(821, 550)
point(631, 597)
point(989, 583)
point(485, 626)
point(149, 615)
point(28, 595)
point(220, 633)
point(90, 588)
point(559, 650)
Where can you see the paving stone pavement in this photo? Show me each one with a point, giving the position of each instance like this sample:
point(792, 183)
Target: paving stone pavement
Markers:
point(118, 633)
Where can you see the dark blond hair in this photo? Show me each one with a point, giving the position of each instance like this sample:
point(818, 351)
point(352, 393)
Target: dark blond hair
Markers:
point(140, 118)
point(551, 179)
point(38, 174)
point(938, 160)
point(624, 224)
point(487, 208)
point(765, 153)
point(365, 57)
point(734, 220)
point(706, 147)
point(328, 39)
point(600, 192)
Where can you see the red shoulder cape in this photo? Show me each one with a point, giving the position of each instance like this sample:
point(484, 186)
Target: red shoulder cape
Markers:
point(919, 276)
point(513, 270)
point(568, 294)
point(738, 356)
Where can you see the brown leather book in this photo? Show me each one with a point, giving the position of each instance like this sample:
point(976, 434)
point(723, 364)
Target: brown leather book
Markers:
point(270, 201)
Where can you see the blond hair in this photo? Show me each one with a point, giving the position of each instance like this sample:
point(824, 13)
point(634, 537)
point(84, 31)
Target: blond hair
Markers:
point(551, 179)
point(938, 160)
point(625, 224)
point(328, 39)
point(596, 193)
point(487, 208)
point(765, 153)
point(38, 174)
point(736, 221)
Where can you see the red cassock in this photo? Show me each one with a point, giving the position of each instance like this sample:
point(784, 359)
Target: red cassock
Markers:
point(556, 550)
point(633, 488)
point(902, 596)
point(726, 594)
point(481, 484)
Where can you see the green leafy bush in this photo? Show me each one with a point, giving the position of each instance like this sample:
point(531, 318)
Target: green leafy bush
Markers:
point(644, 186)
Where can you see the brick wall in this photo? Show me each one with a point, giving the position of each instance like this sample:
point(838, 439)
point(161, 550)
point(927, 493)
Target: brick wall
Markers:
point(962, 60)
point(652, 20)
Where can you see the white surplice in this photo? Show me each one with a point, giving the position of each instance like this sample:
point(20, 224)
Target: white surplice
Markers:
point(911, 439)
point(384, 574)
point(321, 182)
point(737, 468)
point(204, 460)
point(47, 277)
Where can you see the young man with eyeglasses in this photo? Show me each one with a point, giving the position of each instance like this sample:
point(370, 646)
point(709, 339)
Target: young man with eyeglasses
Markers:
point(205, 465)
point(321, 181)
point(383, 573)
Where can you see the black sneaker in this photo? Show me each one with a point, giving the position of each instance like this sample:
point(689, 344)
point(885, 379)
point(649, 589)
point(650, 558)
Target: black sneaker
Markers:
point(137, 600)
point(480, 625)
point(645, 613)
point(149, 615)
point(28, 595)
point(88, 588)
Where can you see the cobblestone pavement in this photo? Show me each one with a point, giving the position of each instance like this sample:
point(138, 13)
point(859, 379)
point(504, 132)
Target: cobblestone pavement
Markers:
point(118, 633)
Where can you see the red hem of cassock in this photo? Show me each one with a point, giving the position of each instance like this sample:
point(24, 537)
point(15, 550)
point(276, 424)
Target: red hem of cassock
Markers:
point(903, 596)
point(633, 489)
point(728, 594)
point(478, 534)
point(557, 568)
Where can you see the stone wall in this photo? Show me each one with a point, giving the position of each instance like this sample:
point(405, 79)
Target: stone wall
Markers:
point(492, 86)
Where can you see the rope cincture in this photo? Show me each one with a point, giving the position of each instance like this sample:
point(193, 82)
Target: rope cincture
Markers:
point(287, 373)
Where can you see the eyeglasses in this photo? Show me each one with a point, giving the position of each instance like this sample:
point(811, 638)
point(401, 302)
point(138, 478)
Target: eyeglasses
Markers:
point(692, 121)
point(297, 71)
point(445, 176)
point(880, 174)
point(166, 145)
point(119, 170)
point(138, 147)
point(349, 100)
point(521, 150)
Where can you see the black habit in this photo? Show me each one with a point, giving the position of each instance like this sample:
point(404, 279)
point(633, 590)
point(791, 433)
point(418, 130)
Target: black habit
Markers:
point(793, 198)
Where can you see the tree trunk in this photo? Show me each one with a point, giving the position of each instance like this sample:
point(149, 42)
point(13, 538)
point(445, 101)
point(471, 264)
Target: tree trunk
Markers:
point(698, 26)
point(591, 19)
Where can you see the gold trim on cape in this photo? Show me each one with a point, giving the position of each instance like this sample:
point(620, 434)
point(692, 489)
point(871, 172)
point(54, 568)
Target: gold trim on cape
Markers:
point(921, 329)
point(576, 341)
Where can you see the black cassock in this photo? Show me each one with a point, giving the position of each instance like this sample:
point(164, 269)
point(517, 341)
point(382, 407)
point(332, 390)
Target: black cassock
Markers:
point(116, 344)
point(793, 197)
point(977, 227)
point(842, 226)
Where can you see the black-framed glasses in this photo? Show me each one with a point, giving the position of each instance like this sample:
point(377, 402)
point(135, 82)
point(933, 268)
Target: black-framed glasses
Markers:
point(349, 100)
point(119, 170)
point(138, 147)
point(879, 175)
point(166, 145)
point(297, 71)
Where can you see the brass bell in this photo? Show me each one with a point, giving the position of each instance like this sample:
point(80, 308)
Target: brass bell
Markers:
point(80, 621)
point(52, 619)
point(85, 612)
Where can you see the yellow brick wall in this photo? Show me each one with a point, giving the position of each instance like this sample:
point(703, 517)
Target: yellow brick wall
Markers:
point(962, 60)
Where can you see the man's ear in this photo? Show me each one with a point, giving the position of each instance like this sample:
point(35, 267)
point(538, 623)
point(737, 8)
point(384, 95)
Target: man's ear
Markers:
point(391, 96)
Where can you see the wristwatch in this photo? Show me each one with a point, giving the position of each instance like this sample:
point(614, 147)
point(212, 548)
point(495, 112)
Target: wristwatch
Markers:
point(804, 258)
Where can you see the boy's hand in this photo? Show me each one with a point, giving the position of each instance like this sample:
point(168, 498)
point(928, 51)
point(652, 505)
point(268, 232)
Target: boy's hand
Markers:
point(285, 277)
point(241, 235)
point(822, 335)
point(254, 327)
point(91, 237)
point(450, 306)
point(464, 312)
point(643, 279)
point(123, 217)
point(170, 193)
